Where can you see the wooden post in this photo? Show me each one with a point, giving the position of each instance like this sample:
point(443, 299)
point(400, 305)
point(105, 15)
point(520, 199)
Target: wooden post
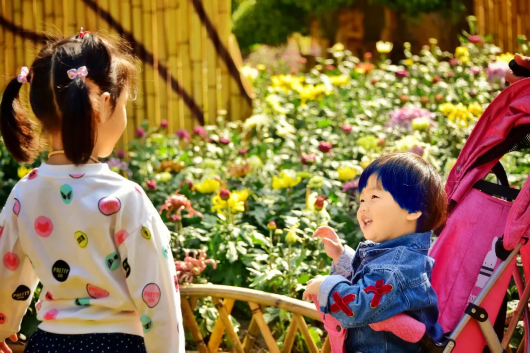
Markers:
point(3, 47)
point(290, 337)
point(224, 21)
point(223, 315)
point(149, 105)
point(305, 332)
point(19, 43)
point(10, 55)
point(250, 337)
point(481, 21)
point(264, 328)
point(163, 50)
point(189, 320)
point(137, 31)
point(219, 328)
point(126, 22)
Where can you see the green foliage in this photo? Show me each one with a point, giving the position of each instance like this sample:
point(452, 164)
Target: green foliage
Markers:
point(266, 21)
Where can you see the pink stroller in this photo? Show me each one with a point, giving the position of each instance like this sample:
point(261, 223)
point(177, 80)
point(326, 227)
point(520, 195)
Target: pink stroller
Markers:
point(476, 250)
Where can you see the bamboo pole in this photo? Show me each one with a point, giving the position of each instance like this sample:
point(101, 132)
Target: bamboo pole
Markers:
point(58, 16)
point(184, 56)
point(80, 17)
point(224, 22)
point(212, 60)
point(264, 328)
point(479, 10)
point(171, 27)
point(148, 39)
point(513, 24)
point(137, 31)
point(126, 22)
point(290, 337)
point(327, 345)
point(163, 53)
point(193, 302)
point(103, 25)
point(91, 21)
point(27, 22)
point(189, 319)
point(156, 56)
point(3, 47)
point(19, 43)
point(219, 328)
point(223, 315)
point(250, 337)
point(196, 52)
point(10, 55)
point(38, 16)
point(69, 18)
point(305, 332)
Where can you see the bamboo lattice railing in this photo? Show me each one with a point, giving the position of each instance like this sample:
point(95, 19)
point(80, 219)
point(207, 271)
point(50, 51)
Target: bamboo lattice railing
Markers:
point(186, 47)
point(504, 19)
point(224, 298)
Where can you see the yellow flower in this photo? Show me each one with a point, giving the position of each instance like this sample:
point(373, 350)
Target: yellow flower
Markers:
point(311, 92)
point(338, 47)
point(464, 59)
point(287, 179)
point(506, 57)
point(446, 108)
point(476, 109)
point(409, 62)
point(365, 162)
point(420, 124)
point(207, 186)
point(461, 52)
point(23, 171)
point(261, 67)
point(163, 177)
point(236, 202)
point(339, 80)
point(347, 173)
point(384, 47)
point(286, 82)
point(460, 115)
point(407, 142)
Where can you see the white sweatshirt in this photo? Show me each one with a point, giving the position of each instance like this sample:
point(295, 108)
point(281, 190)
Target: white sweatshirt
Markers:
point(100, 249)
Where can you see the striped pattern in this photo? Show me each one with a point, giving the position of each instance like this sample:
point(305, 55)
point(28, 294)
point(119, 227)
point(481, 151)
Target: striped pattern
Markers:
point(186, 47)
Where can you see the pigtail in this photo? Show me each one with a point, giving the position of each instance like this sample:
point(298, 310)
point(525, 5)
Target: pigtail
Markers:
point(16, 128)
point(78, 127)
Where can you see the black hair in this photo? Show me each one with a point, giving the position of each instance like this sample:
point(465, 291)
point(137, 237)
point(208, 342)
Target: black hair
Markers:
point(62, 104)
point(413, 183)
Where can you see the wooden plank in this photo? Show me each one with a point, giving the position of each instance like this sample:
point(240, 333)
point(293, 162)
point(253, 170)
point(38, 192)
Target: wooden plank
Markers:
point(137, 31)
point(59, 16)
point(250, 337)
point(219, 328)
point(27, 24)
point(327, 345)
point(3, 49)
point(70, 22)
point(91, 20)
point(156, 55)
point(189, 320)
point(223, 315)
point(264, 328)
point(103, 25)
point(479, 10)
point(514, 24)
point(19, 42)
point(126, 22)
point(80, 17)
point(305, 332)
point(290, 337)
point(38, 16)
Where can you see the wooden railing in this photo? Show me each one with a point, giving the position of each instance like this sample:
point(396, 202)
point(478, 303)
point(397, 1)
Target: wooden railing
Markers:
point(224, 298)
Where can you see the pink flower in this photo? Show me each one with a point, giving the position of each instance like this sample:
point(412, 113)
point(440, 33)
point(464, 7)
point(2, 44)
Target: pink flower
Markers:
point(242, 152)
point(496, 71)
point(351, 186)
point(199, 130)
point(308, 159)
point(475, 39)
point(224, 140)
point(475, 70)
point(175, 218)
point(187, 182)
point(367, 56)
point(404, 116)
point(120, 153)
point(417, 150)
point(325, 146)
point(454, 62)
point(151, 185)
point(224, 194)
point(346, 128)
point(436, 79)
point(402, 73)
point(140, 132)
point(183, 134)
point(164, 123)
point(330, 67)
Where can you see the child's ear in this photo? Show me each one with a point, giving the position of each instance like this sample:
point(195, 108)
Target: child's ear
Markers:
point(104, 107)
point(413, 216)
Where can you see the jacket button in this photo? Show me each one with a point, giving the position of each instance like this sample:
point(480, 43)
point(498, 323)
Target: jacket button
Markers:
point(338, 328)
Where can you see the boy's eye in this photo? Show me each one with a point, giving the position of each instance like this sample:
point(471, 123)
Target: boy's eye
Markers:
point(374, 197)
point(362, 200)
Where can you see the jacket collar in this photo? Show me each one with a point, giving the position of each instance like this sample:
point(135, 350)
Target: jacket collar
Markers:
point(418, 241)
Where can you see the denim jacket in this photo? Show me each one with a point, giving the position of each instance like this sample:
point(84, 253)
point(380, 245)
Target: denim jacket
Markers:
point(376, 282)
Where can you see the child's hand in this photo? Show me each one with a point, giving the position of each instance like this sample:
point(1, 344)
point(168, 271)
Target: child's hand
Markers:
point(313, 285)
point(3, 346)
point(331, 242)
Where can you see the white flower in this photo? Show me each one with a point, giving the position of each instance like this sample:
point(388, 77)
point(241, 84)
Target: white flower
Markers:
point(249, 72)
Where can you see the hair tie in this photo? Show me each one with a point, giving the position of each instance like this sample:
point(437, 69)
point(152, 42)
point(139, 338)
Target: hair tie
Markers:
point(81, 72)
point(23, 77)
point(82, 33)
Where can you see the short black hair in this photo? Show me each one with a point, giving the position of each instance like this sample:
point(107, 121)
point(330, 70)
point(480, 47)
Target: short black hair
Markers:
point(413, 183)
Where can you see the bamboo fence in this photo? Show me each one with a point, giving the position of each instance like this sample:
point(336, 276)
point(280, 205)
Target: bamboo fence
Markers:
point(190, 60)
point(505, 20)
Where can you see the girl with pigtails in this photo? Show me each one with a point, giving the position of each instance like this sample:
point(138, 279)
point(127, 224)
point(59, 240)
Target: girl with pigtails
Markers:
point(91, 237)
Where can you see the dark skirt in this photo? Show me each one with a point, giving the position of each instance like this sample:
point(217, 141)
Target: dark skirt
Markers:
point(46, 342)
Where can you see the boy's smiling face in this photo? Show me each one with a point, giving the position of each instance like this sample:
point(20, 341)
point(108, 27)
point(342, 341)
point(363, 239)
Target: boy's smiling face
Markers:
point(380, 216)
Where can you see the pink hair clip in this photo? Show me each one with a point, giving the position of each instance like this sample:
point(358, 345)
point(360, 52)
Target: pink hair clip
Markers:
point(82, 33)
point(81, 72)
point(23, 77)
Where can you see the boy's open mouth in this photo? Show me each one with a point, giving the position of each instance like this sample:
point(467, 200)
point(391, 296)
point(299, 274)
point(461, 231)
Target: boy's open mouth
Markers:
point(366, 221)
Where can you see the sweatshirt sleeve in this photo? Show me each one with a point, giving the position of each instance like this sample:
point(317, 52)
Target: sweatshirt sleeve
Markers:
point(344, 265)
point(152, 281)
point(17, 277)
